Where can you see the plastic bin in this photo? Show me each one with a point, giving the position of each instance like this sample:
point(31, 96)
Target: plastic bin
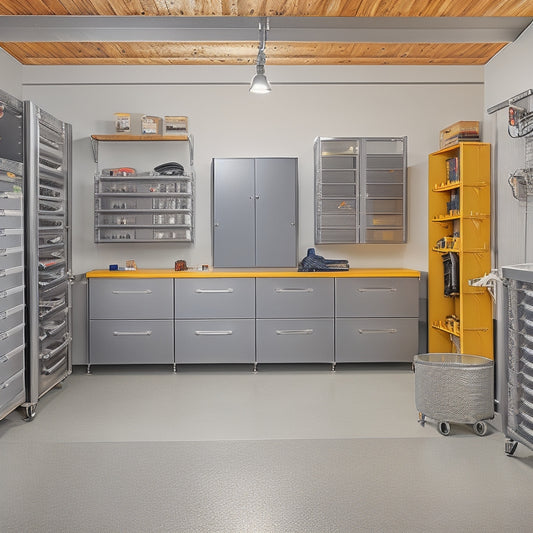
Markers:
point(452, 387)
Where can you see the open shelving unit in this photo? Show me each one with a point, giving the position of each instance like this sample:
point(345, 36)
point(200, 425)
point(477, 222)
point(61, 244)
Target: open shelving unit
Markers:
point(459, 223)
point(144, 206)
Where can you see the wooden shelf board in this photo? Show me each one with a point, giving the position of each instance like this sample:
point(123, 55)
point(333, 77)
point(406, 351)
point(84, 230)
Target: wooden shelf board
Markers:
point(146, 137)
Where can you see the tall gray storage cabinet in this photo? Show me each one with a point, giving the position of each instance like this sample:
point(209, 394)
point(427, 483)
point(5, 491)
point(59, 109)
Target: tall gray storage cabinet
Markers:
point(255, 212)
point(48, 170)
point(360, 190)
point(12, 307)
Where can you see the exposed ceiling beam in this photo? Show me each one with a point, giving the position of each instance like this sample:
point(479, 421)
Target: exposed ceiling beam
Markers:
point(226, 29)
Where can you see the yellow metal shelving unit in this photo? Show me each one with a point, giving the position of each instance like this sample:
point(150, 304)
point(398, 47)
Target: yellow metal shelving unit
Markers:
point(461, 323)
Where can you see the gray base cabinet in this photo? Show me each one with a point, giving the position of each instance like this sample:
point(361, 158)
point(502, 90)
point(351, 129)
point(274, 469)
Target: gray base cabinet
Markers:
point(131, 321)
point(376, 320)
point(215, 341)
point(295, 340)
point(252, 320)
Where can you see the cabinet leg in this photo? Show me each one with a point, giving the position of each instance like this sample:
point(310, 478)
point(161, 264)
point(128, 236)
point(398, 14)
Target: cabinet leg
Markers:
point(333, 366)
point(255, 368)
point(175, 368)
point(88, 370)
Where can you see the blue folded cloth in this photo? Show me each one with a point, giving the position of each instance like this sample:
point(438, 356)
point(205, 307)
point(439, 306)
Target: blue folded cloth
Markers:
point(316, 263)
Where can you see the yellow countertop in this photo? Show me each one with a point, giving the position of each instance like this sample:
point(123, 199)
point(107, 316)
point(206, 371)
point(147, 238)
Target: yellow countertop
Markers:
point(273, 273)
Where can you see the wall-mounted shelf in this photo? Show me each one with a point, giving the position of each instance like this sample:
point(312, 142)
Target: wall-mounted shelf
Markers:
point(143, 206)
point(97, 138)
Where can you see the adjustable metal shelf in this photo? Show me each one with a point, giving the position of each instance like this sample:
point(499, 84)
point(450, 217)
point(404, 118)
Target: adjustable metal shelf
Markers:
point(460, 323)
point(143, 207)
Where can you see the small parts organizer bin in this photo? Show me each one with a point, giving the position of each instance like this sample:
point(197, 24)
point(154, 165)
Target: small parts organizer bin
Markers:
point(451, 387)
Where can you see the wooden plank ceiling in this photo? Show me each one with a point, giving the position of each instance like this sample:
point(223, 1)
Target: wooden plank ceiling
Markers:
point(271, 8)
point(168, 53)
point(244, 52)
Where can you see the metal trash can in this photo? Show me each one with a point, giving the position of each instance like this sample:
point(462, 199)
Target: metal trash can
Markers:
point(451, 387)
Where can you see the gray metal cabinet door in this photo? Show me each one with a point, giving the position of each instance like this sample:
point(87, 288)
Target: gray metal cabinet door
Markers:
point(131, 342)
point(233, 213)
point(150, 299)
point(276, 211)
point(295, 341)
point(215, 341)
point(368, 340)
point(215, 298)
point(376, 297)
point(294, 297)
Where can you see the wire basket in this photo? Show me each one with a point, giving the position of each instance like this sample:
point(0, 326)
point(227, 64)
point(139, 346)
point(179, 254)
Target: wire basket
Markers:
point(521, 182)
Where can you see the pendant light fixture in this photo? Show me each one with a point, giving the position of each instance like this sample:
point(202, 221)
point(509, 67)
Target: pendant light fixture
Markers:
point(260, 84)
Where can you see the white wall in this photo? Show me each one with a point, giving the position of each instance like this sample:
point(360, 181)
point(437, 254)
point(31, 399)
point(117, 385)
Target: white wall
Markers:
point(11, 75)
point(227, 121)
point(509, 73)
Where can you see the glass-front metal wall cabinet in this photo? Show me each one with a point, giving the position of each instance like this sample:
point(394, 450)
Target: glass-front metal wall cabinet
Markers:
point(360, 190)
point(131, 205)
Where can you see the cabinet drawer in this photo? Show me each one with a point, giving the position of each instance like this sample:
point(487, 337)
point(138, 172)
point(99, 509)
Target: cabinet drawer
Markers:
point(131, 299)
point(11, 298)
point(11, 277)
point(11, 388)
point(10, 238)
point(11, 363)
point(131, 341)
point(11, 318)
point(295, 341)
point(11, 257)
point(294, 297)
point(376, 297)
point(11, 202)
point(12, 338)
point(11, 218)
point(368, 340)
point(215, 298)
point(215, 341)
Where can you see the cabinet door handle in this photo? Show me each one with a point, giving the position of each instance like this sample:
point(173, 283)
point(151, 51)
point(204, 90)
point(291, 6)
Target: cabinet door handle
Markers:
point(147, 291)
point(132, 333)
point(369, 331)
point(294, 331)
point(219, 332)
point(309, 289)
point(378, 289)
point(214, 291)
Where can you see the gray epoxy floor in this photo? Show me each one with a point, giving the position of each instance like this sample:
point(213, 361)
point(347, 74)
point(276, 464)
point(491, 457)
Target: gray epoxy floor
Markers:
point(293, 449)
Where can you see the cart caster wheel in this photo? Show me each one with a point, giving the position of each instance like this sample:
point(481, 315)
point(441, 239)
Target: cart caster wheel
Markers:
point(510, 447)
point(421, 419)
point(480, 428)
point(444, 428)
point(29, 413)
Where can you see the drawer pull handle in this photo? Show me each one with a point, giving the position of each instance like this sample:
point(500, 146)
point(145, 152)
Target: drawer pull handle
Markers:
point(51, 370)
point(220, 332)
point(214, 291)
point(294, 331)
point(369, 331)
point(5, 385)
point(378, 289)
point(309, 289)
point(147, 291)
point(132, 333)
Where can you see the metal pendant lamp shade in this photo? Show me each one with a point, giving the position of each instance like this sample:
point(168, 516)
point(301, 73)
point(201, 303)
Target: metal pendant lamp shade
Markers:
point(260, 84)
